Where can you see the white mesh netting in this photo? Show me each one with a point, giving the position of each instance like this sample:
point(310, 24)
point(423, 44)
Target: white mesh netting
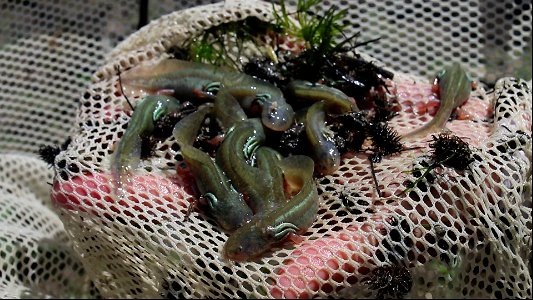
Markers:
point(464, 234)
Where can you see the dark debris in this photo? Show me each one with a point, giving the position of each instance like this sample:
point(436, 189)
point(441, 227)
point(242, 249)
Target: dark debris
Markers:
point(392, 281)
point(350, 130)
point(451, 151)
point(209, 137)
point(386, 140)
point(292, 140)
point(48, 153)
point(265, 69)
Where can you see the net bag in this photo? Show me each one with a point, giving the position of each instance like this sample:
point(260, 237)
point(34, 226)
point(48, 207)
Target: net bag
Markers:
point(462, 233)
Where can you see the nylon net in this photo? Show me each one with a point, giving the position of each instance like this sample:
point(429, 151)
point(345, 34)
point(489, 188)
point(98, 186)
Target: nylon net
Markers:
point(461, 234)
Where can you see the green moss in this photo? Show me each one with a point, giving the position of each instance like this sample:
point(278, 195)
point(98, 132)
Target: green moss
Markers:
point(318, 32)
point(213, 45)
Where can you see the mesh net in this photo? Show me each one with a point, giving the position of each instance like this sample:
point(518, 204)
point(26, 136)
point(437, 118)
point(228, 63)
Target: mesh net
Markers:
point(461, 234)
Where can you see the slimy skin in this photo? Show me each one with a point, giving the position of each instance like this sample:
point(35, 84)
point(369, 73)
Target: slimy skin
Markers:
point(235, 156)
point(263, 185)
point(276, 113)
point(225, 204)
point(187, 80)
point(186, 130)
point(326, 99)
point(455, 86)
point(268, 161)
point(228, 110)
point(305, 91)
point(325, 153)
point(127, 155)
point(293, 217)
point(192, 80)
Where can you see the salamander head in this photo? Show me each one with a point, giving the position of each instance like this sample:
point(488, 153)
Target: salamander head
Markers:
point(327, 158)
point(245, 243)
point(277, 115)
point(255, 238)
point(455, 85)
point(229, 213)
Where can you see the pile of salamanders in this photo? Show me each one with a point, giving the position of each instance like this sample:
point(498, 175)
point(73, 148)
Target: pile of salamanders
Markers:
point(257, 181)
point(255, 138)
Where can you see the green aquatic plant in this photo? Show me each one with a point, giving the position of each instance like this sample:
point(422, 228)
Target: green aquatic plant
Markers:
point(206, 51)
point(215, 44)
point(325, 57)
point(448, 151)
point(318, 32)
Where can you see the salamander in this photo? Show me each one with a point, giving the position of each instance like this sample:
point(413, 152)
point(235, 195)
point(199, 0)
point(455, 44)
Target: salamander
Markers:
point(127, 155)
point(221, 200)
point(304, 91)
point(455, 86)
point(236, 155)
point(293, 217)
point(193, 80)
point(323, 149)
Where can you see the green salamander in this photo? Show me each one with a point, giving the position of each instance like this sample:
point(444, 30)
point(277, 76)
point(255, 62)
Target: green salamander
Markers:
point(186, 130)
point(262, 185)
point(305, 91)
point(293, 217)
point(127, 155)
point(192, 80)
point(186, 79)
point(223, 202)
point(228, 110)
point(455, 86)
point(325, 153)
point(268, 162)
point(235, 157)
